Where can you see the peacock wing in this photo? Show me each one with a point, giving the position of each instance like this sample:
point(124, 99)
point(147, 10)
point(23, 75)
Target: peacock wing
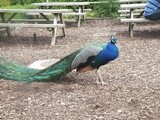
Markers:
point(81, 57)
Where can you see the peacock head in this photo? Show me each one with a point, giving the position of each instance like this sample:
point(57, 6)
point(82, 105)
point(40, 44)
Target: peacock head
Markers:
point(113, 40)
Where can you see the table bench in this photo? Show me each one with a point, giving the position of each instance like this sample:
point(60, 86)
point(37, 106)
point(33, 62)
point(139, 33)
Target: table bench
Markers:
point(8, 23)
point(131, 11)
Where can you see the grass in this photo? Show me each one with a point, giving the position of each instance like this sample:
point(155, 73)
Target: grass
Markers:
point(18, 6)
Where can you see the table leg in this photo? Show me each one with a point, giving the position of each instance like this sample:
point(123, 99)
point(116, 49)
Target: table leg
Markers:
point(11, 17)
point(131, 25)
point(47, 20)
point(62, 22)
point(79, 17)
point(82, 10)
point(45, 17)
point(7, 28)
point(54, 30)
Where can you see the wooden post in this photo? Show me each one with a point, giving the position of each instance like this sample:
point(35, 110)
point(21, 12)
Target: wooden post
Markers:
point(131, 24)
point(54, 30)
point(62, 22)
point(79, 16)
point(82, 10)
point(4, 21)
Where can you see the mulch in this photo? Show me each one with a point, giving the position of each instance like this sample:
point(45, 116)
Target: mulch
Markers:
point(133, 80)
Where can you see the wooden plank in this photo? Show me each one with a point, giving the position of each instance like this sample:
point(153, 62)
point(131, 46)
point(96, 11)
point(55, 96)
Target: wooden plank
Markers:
point(127, 10)
point(38, 14)
point(69, 13)
point(124, 1)
point(61, 3)
point(74, 13)
point(128, 15)
point(83, 9)
point(28, 20)
point(31, 25)
point(132, 6)
point(136, 20)
point(98, 2)
point(35, 10)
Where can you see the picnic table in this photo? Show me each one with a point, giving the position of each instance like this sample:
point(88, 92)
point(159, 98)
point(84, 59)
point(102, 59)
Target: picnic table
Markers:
point(79, 5)
point(57, 13)
point(131, 11)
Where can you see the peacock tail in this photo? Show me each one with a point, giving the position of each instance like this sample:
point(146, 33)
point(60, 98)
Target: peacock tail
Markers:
point(12, 71)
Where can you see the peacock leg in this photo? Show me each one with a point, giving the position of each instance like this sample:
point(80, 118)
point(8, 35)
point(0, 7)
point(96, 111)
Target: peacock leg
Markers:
point(99, 78)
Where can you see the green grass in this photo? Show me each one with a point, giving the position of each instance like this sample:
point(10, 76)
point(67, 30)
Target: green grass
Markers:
point(18, 6)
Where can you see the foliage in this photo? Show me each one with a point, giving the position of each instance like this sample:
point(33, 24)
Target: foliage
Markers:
point(109, 9)
point(4, 3)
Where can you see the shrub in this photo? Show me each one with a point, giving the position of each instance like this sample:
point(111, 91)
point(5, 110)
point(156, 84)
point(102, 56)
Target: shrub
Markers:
point(109, 9)
point(4, 3)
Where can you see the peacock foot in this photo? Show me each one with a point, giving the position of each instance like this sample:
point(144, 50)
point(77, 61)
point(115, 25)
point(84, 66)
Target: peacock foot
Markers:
point(100, 82)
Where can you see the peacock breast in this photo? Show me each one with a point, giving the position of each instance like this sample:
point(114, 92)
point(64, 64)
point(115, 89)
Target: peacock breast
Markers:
point(112, 51)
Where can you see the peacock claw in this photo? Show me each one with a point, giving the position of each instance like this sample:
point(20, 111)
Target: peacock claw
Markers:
point(101, 82)
point(104, 83)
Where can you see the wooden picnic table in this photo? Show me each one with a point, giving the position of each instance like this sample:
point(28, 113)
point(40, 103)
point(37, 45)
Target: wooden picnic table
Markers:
point(57, 13)
point(80, 5)
point(131, 12)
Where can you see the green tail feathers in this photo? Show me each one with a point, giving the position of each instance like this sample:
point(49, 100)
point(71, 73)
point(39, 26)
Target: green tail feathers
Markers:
point(13, 71)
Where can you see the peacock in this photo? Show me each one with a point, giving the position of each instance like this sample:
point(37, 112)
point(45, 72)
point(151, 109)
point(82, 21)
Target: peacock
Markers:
point(90, 57)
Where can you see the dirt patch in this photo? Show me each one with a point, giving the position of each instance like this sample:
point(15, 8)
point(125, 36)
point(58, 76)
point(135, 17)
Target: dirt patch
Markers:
point(133, 90)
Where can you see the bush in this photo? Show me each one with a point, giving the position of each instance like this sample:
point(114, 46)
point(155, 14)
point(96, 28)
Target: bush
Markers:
point(109, 9)
point(4, 3)
point(23, 2)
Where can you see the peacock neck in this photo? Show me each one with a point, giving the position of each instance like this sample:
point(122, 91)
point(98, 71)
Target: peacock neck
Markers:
point(111, 51)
